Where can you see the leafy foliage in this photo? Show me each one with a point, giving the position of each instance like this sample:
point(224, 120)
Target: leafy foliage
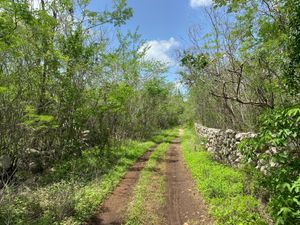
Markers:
point(280, 130)
point(65, 87)
point(70, 95)
point(252, 72)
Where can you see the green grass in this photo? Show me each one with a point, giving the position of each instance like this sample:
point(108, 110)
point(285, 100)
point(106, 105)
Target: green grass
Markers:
point(222, 187)
point(70, 192)
point(165, 136)
point(149, 191)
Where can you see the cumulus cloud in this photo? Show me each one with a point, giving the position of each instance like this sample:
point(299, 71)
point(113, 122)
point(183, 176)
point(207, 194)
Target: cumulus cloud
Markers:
point(199, 3)
point(161, 50)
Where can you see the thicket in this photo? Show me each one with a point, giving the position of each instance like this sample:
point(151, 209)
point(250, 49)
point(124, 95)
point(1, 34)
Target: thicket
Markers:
point(246, 77)
point(77, 100)
point(71, 80)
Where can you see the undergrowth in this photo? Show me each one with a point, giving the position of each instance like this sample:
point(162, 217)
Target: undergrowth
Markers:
point(223, 188)
point(69, 192)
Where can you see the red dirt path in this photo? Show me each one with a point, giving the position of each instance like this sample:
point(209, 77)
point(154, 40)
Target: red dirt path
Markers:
point(184, 206)
point(113, 210)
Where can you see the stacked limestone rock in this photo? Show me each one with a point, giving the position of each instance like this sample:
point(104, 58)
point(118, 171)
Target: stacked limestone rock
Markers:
point(223, 144)
point(223, 147)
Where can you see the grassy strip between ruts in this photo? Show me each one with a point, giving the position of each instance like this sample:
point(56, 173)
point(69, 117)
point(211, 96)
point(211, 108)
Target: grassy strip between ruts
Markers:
point(222, 187)
point(70, 192)
point(149, 192)
point(165, 136)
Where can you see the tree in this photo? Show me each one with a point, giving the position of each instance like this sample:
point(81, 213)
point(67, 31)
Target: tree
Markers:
point(253, 72)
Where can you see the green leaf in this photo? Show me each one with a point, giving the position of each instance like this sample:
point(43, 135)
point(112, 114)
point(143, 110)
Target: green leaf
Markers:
point(3, 90)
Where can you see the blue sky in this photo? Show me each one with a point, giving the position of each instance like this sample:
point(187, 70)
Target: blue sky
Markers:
point(164, 25)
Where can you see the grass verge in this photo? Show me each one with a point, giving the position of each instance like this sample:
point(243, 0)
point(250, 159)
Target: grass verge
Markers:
point(70, 192)
point(222, 187)
point(149, 192)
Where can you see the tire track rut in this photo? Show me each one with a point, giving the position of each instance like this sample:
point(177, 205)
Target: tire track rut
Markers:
point(114, 208)
point(183, 206)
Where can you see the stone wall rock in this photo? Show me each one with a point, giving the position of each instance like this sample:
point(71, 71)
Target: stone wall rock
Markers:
point(222, 144)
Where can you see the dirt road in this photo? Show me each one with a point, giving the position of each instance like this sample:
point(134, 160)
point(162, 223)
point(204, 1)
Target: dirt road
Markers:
point(183, 206)
point(114, 207)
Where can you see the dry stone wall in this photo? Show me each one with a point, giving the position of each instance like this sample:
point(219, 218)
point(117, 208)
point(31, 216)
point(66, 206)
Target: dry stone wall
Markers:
point(222, 144)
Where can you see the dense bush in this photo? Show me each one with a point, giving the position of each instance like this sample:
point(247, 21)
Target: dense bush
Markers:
point(279, 130)
point(64, 87)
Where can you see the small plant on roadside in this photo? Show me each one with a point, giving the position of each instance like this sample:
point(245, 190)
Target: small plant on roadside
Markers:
point(279, 130)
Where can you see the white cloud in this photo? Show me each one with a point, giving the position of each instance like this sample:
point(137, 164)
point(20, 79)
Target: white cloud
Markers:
point(199, 3)
point(161, 50)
